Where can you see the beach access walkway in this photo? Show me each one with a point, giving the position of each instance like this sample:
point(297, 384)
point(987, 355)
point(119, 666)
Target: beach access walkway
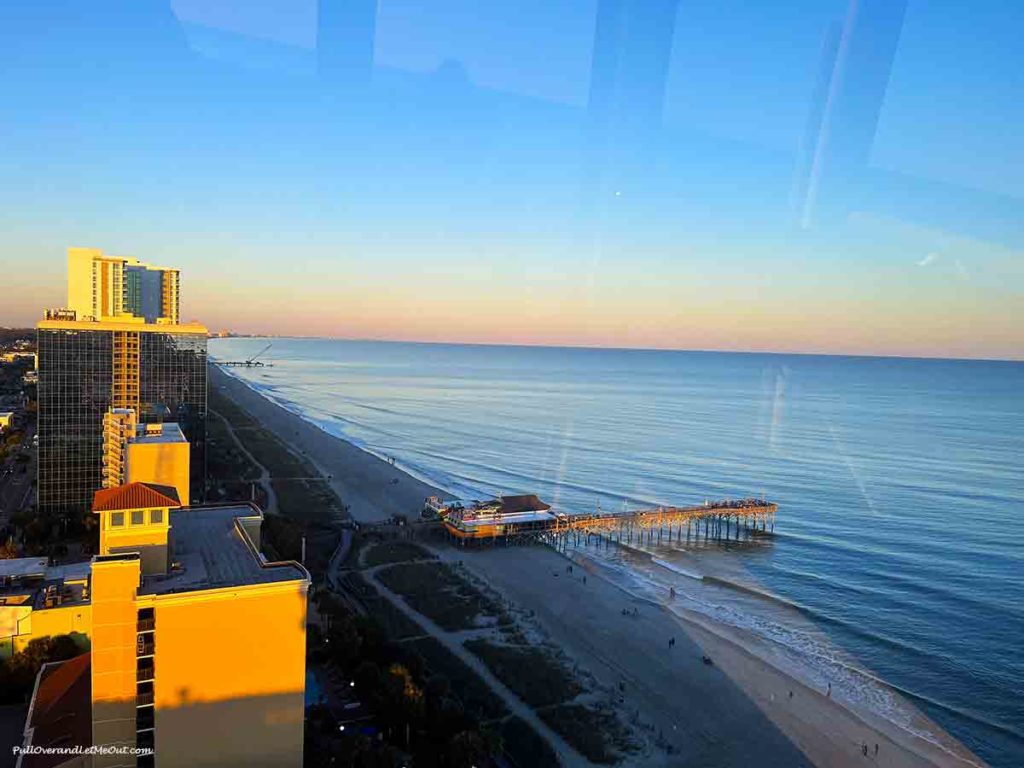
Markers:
point(453, 642)
point(265, 479)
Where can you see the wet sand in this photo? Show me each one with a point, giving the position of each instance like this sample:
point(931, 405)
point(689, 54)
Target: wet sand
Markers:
point(737, 712)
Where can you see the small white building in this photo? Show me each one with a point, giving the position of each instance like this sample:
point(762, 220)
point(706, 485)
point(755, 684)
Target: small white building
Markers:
point(6, 420)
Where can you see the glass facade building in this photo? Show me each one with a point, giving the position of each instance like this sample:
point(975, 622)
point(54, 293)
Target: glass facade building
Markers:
point(82, 367)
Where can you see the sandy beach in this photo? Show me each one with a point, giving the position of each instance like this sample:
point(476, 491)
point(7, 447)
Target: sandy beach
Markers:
point(742, 711)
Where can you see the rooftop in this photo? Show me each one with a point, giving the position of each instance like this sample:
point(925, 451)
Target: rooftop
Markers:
point(211, 549)
point(159, 433)
point(135, 496)
point(61, 711)
point(113, 325)
point(22, 568)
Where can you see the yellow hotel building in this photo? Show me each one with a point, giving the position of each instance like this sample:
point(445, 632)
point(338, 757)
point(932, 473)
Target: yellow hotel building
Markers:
point(198, 643)
point(105, 287)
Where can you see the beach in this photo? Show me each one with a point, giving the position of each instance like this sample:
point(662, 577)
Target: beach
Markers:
point(739, 711)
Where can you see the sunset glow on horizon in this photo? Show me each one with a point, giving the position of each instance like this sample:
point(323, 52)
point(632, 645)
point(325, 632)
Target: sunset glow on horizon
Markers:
point(454, 198)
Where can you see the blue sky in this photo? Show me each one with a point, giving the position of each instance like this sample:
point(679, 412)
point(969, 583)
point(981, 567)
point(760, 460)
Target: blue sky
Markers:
point(465, 192)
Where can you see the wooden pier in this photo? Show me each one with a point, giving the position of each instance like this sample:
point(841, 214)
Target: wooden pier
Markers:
point(718, 520)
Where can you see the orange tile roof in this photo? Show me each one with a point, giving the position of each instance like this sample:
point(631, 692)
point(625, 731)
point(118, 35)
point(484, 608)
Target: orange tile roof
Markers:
point(61, 714)
point(135, 496)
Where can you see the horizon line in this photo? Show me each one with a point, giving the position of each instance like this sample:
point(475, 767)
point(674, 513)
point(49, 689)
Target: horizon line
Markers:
point(595, 347)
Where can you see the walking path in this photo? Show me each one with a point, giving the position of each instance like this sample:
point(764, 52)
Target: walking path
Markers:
point(453, 642)
point(265, 479)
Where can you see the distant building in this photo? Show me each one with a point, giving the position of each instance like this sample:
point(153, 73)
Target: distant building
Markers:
point(87, 368)
point(103, 287)
point(146, 453)
point(198, 644)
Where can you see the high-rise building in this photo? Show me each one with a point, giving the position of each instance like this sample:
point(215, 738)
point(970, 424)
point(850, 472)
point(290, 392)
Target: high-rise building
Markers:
point(104, 287)
point(85, 369)
point(197, 643)
point(144, 453)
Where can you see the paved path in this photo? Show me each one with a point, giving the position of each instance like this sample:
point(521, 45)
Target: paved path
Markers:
point(265, 479)
point(453, 642)
point(338, 558)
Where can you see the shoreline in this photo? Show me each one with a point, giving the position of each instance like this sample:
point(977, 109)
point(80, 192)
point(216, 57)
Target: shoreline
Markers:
point(824, 730)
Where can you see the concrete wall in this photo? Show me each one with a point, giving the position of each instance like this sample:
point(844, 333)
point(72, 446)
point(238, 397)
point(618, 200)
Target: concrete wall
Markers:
point(230, 676)
point(114, 615)
point(160, 463)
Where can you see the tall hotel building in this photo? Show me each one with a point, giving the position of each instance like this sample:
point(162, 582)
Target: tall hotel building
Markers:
point(113, 358)
point(104, 287)
point(194, 642)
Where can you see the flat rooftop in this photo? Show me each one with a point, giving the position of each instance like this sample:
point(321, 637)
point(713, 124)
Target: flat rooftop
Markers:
point(212, 551)
point(159, 433)
point(23, 567)
point(121, 325)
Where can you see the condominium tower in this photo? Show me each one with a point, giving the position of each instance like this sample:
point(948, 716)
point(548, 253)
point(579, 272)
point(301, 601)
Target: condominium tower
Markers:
point(86, 369)
point(117, 346)
point(104, 287)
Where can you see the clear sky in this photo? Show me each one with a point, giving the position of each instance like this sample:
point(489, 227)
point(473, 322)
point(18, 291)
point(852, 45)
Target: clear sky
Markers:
point(821, 176)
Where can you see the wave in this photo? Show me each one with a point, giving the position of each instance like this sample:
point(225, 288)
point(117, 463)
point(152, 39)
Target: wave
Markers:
point(676, 569)
point(814, 663)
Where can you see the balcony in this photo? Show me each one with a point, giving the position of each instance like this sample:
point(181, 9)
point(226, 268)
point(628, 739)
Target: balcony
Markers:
point(144, 699)
point(146, 670)
point(145, 645)
point(145, 625)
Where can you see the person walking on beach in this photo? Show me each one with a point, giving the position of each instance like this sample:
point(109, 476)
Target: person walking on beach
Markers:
point(829, 694)
point(671, 642)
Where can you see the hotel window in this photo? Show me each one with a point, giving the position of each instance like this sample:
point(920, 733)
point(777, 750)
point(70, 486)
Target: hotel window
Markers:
point(156, 516)
point(117, 519)
point(138, 516)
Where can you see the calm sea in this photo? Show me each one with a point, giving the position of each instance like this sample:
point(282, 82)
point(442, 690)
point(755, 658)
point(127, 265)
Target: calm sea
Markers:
point(898, 551)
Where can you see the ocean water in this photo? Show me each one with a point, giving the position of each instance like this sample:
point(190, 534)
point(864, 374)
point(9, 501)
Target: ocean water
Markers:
point(898, 551)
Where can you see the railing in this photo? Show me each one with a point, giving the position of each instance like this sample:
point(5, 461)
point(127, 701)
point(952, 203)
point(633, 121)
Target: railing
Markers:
point(145, 672)
point(146, 625)
point(143, 699)
point(144, 648)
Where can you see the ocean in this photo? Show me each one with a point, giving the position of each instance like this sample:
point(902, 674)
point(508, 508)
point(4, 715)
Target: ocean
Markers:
point(900, 482)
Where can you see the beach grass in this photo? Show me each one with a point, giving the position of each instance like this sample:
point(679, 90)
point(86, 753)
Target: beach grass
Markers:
point(306, 504)
point(478, 700)
point(535, 675)
point(442, 595)
point(394, 551)
point(395, 624)
point(596, 734)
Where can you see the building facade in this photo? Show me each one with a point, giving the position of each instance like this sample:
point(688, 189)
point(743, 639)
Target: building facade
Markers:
point(87, 368)
point(105, 287)
point(197, 644)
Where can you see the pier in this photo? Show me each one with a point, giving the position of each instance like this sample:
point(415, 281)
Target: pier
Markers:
point(514, 517)
point(719, 520)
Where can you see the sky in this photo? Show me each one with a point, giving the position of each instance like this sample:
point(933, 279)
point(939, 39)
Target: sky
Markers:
point(838, 176)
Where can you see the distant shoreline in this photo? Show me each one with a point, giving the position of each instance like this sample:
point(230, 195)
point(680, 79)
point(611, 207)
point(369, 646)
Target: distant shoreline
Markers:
point(641, 350)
